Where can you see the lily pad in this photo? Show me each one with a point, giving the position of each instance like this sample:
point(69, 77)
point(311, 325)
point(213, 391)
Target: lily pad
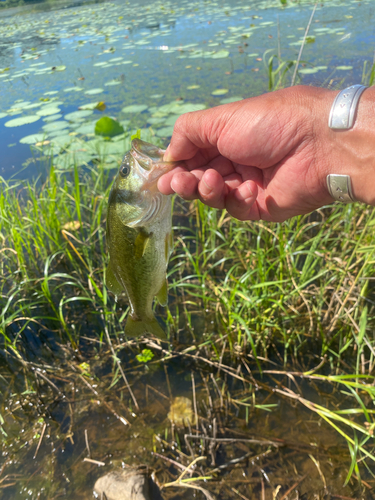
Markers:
point(228, 100)
point(92, 105)
point(189, 107)
point(23, 120)
point(52, 118)
point(54, 126)
point(48, 111)
point(63, 140)
point(32, 106)
point(108, 127)
point(344, 68)
point(86, 129)
point(171, 120)
point(220, 54)
point(220, 92)
point(78, 115)
point(94, 91)
point(73, 89)
point(32, 139)
point(21, 104)
point(2, 115)
point(308, 71)
point(134, 108)
point(58, 68)
point(153, 120)
point(112, 83)
point(164, 132)
point(69, 160)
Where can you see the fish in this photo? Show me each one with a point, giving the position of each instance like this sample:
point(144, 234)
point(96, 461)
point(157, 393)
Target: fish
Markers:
point(139, 236)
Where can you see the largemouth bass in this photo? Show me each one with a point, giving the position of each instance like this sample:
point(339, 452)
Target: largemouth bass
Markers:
point(139, 236)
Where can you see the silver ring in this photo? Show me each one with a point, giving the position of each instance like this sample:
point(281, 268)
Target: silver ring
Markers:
point(340, 188)
point(344, 107)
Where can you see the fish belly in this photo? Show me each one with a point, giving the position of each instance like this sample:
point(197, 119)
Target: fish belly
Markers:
point(138, 263)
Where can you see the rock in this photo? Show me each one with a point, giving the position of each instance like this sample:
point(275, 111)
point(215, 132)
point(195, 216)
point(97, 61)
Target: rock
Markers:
point(127, 484)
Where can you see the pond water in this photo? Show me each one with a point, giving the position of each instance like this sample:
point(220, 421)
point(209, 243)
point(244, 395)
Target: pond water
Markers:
point(144, 64)
point(149, 63)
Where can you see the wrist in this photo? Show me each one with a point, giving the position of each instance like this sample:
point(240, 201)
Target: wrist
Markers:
point(353, 150)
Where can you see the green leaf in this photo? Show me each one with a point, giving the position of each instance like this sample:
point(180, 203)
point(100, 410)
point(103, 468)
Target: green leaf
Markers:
point(146, 356)
point(108, 127)
point(137, 135)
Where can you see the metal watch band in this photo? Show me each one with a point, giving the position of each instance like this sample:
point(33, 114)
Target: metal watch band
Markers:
point(344, 107)
point(340, 188)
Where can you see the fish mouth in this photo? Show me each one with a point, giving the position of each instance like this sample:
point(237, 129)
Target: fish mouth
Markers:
point(146, 154)
point(150, 161)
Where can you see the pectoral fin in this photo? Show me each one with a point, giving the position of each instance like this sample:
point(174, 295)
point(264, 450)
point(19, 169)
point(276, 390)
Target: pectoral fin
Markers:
point(162, 295)
point(112, 283)
point(141, 243)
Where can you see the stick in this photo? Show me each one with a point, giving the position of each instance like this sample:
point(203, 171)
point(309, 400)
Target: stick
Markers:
point(235, 440)
point(94, 461)
point(195, 402)
point(87, 444)
point(40, 440)
point(303, 44)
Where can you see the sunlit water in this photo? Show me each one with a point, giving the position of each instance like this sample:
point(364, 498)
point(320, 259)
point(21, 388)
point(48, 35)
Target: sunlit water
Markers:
point(152, 55)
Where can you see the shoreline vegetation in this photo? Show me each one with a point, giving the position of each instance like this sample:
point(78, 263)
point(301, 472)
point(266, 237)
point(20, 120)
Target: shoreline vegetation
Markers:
point(275, 308)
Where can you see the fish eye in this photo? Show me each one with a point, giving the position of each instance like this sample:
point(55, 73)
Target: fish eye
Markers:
point(125, 170)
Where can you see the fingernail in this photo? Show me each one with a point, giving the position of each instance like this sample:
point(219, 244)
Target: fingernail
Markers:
point(246, 191)
point(204, 188)
point(167, 155)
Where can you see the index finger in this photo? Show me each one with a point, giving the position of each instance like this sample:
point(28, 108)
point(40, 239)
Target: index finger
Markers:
point(195, 131)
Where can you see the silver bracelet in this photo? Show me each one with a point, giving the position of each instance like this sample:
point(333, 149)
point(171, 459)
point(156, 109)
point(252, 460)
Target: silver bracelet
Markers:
point(340, 188)
point(342, 117)
point(344, 107)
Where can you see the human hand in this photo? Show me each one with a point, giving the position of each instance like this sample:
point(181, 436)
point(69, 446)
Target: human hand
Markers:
point(260, 158)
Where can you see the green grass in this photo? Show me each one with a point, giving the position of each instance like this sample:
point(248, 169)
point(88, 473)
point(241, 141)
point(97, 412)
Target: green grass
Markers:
point(248, 295)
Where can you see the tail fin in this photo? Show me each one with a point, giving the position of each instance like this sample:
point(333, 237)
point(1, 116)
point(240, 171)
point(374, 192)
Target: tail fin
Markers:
point(139, 327)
